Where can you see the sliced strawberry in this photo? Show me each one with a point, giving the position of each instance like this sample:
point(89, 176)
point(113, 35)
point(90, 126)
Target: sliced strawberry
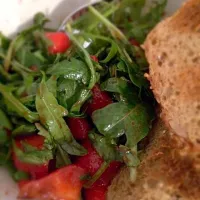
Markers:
point(134, 42)
point(90, 162)
point(94, 58)
point(60, 42)
point(22, 183)
point(79, 127)
point(107, 177)
point(99, 100)
point(63, 184)
point(36, 171)
point(96, 193)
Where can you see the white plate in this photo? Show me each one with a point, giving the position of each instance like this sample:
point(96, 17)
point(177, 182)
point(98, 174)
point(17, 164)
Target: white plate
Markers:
point(17, 14)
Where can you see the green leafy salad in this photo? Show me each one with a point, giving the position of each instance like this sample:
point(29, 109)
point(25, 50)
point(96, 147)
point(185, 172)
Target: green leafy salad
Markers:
point(59, 89)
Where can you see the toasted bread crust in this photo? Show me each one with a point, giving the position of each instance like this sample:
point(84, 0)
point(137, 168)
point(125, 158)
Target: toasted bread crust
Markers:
point(173, 51)
point(167, 171)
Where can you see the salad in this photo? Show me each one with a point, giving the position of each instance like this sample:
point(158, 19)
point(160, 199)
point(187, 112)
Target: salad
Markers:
point(75, 105)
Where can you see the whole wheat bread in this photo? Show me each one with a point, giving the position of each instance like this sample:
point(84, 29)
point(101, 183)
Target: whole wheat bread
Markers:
point(173, 52)
point(168, 171)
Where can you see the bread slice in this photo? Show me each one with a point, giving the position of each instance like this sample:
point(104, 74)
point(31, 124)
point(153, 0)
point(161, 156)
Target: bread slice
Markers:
point(167, 171)
point(173, 52)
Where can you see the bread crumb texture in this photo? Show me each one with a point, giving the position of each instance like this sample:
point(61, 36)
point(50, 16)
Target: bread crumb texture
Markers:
point(169, 171)
point(173, 52)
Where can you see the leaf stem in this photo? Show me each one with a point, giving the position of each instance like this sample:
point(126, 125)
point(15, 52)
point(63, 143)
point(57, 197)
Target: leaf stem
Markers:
point(116, 33)
point(64, 157)
point(106, 14)
point(86, 55)
point(18, 107)
point(97, 175)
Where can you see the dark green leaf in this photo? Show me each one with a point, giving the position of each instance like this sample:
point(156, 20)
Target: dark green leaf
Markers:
point(3, 136)
point(74, 148)
point(27, 58)
point(72, 95)
point(124, 88)
point(121, 66)
point(66, 89)
point(4, 42)
point(32, 155)
point(93, 78)
point(139, 27)
point(20, 175)
point(62, 158)
point(128, 10)
point(112, 53)
point(136, 76)
point(112, 50)
point(48, 142)
point(74, 70)
point(118, 118)
point(52, 85)
point(5, 122)
point(17, 43)
point(104, 146)
point(15, 105)
point(40, 19)
point(83, 96)
point(25, 129)
point(51, 114)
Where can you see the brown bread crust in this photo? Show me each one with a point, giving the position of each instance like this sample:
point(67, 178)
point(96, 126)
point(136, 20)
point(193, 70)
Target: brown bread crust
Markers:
point(173, 52)
point(167, 171)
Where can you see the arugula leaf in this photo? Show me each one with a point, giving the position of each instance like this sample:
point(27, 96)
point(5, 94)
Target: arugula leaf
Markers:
point(113, 49)
point(3, 136)
point(115, 32)
point(129, 120)
point(66, 89)
point(138, 27)
point(105, 148)
point(72, 95)
point(129, 9)
point(18, 42)
point(25, 129)
point(40, 19)
point(15, 105)
point(155, 13)
point(137, 77)
point(84, 95)
point(73, 69)
point(73, 148)
point(20, 175)
point(124, 88)
point(52, 85)
point(32, 155)
point(4, 42)
point(5, 122)
point(62, 158)
point(126, 51)
point(88, 21)
point(51, 114)
point(48, 142)
point(27, 58)
point(93, 78)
